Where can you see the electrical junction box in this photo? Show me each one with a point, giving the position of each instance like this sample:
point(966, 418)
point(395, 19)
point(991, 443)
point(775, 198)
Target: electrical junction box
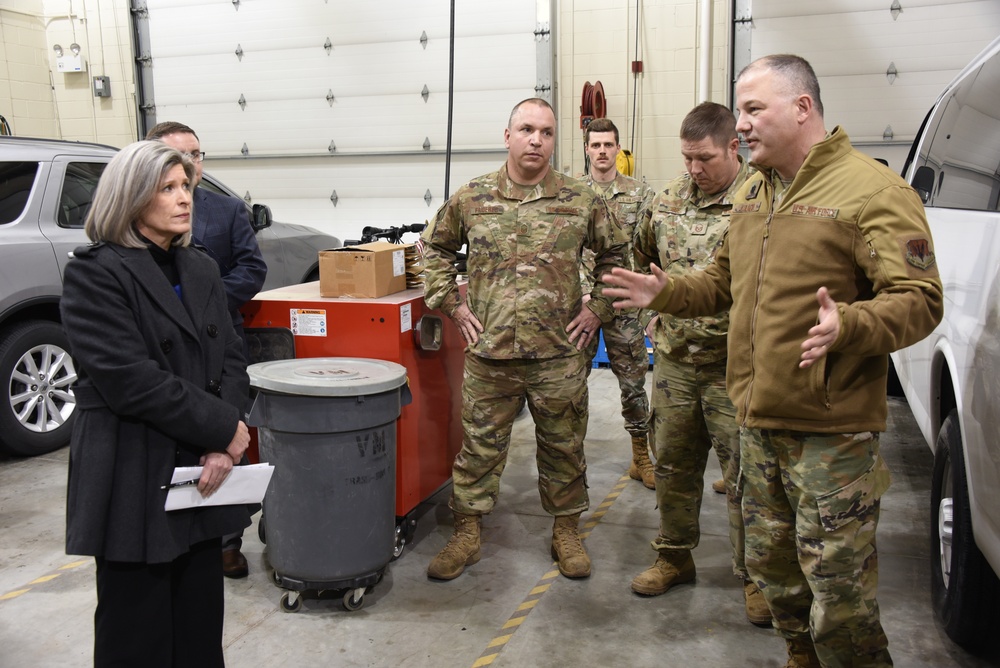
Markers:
point(102, 87)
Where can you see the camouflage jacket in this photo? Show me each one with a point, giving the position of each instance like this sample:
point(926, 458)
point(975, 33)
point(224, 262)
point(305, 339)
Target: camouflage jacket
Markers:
point(630, 201)
point(524, 249)
point(684, 232)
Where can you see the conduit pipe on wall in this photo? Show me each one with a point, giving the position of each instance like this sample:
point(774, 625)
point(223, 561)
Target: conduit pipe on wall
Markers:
point(704, 49)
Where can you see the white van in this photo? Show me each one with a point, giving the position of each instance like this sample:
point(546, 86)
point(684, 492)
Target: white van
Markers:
point(952, 378)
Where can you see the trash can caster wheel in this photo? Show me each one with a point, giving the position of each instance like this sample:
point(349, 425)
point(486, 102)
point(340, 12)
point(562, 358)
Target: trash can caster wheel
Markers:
point(400, 542)
point(275, 578)
point(291, 602)
point(354, 599)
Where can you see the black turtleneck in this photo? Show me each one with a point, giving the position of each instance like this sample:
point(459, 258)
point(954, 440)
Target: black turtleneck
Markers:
point(166, 261)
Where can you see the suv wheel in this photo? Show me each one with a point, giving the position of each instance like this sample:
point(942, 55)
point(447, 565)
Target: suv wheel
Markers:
point(963, 586)
point(37, 408)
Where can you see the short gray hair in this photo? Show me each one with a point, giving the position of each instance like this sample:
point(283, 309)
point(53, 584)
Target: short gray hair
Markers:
point(127, 187)
point(797, 75)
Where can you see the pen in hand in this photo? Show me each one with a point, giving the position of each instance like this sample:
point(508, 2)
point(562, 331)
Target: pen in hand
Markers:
point(183, 483)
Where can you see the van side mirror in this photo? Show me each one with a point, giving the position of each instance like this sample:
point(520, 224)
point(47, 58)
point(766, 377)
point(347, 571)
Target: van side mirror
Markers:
point(261, 217)
point(923, 182)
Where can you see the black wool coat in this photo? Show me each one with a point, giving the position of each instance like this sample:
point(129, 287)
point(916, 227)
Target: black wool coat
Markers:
point(161, 382)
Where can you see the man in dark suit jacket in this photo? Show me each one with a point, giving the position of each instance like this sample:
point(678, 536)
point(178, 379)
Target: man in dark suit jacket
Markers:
point(222, 226)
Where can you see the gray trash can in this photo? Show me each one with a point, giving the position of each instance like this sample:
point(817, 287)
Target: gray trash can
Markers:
point(328, 426)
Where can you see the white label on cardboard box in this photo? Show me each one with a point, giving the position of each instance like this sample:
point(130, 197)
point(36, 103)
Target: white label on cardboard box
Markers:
point(405, 317)
point(307, 321)
point(398, 263)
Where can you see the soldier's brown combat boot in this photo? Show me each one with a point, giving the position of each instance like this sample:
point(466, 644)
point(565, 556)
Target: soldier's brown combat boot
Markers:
point(567, 548)
point(462, 549)
point(641, 468)
point(801, 653)
point(757, 611)
point(672, 567)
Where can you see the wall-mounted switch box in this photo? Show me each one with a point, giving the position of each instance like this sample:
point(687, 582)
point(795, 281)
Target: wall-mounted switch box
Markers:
point(102, 87)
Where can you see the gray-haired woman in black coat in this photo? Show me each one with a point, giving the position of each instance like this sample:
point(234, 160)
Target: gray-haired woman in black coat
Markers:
point(161, 384)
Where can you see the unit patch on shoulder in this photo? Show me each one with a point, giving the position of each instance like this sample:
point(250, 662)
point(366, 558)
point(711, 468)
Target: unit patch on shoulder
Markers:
point(486, 210)
point(746, 207)
point(815, 211)
point(920, 254)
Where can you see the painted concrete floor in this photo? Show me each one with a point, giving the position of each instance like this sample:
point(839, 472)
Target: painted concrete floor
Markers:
point(509, 609)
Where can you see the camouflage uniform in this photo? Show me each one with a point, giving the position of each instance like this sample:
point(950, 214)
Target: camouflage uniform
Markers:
point(523, 261)
point(630, 201)
point(811, 537)
point(691, 411)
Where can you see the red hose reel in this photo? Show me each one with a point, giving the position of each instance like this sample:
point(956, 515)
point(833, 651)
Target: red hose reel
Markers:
point(592, 104)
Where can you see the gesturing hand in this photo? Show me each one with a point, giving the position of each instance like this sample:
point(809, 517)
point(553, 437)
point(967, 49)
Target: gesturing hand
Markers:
point(632, 289)
point(823, 334)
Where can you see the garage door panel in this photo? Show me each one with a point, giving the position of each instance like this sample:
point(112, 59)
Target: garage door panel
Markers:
point(767, 9)
point(361, 124)
point(290, 24)
point(370, 190)
point(378, 121)
point(864, 105)
point(929, 38)
point(851, 44)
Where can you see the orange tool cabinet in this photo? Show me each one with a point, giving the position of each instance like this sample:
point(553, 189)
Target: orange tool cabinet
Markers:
point(429, 431)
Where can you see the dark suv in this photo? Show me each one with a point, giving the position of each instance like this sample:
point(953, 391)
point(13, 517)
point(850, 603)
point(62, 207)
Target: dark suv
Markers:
point(46, 187)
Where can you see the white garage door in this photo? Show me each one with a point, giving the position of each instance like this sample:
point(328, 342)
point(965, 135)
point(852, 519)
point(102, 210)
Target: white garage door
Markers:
point(335, 113)
point(856, 45)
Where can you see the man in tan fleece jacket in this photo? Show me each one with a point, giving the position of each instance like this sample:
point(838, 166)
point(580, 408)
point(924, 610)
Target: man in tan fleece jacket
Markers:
point(819, 223)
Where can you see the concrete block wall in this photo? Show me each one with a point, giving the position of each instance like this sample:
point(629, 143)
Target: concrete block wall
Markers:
point(597, 42)
point(26, 100)
point(38, 100)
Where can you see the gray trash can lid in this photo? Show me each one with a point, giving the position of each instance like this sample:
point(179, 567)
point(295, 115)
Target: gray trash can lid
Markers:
point(327, 376)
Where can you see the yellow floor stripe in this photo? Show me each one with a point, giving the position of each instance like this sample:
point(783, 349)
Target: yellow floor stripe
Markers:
point(513, 623)
point(496, 645)
point(13, 594)
point(43, 579)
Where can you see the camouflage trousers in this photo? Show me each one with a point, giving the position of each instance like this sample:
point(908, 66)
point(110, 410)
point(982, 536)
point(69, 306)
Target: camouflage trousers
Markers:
point(692, 414)
point(811, 503)
point(492, 392)
point(625, 342)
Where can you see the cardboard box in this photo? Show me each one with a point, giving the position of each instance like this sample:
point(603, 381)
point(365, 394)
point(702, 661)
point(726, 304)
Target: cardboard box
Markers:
point(369, 270)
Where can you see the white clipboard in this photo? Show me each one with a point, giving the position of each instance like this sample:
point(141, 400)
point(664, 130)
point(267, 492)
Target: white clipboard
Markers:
point(245, 484)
